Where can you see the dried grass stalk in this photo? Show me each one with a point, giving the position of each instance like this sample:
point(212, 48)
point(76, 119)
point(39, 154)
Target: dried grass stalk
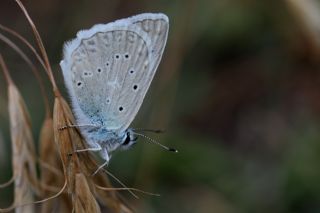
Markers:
point(41, 46)
point(78, 164)
point(66, 141)
point(77, 168)
point(23, 152)
point(83, 198)
point(51, 169)
point(30, 64)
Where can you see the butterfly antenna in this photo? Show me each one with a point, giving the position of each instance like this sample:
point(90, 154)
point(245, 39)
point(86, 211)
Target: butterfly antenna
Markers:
point(156, 142)
point(150, 130)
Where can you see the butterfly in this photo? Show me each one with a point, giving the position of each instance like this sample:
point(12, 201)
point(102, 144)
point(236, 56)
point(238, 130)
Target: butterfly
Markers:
point(107, 71)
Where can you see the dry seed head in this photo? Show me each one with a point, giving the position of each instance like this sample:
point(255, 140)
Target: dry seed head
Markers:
point(23, 151)
point(77, 170)
point(50, 167)
point(66, 140)
point(79, 164)
point(83, 199)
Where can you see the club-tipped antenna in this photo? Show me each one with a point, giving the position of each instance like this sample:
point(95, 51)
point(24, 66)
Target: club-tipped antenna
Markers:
point(156, 142)
point(149, 130)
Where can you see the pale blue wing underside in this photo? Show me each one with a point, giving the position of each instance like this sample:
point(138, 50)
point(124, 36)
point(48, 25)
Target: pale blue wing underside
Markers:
point(108, 68)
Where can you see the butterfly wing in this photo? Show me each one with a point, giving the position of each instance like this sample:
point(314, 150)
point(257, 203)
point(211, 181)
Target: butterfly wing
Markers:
point(108, 68)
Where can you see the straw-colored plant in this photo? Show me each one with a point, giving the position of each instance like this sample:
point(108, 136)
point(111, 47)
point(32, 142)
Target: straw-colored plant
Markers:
point(65, 183)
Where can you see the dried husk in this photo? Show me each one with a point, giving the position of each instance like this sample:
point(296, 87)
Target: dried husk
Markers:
point(69, 140)
point(77, 167)
point(23, 151)
point(51, 170)
point(66, 140)
point(80, 165)
point(83, 198)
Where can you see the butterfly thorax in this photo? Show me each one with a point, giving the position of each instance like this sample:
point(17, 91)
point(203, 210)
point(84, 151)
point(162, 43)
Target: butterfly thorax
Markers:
point(109, 140)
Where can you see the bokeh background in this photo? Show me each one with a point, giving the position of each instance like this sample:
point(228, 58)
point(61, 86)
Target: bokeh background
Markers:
point(237, 91)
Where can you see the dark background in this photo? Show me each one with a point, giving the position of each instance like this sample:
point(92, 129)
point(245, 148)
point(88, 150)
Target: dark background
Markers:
point(237, 91)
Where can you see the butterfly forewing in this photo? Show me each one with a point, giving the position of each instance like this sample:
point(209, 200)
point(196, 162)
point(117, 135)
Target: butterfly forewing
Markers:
point(157, 31)
point(138, 82)
point(108, 69)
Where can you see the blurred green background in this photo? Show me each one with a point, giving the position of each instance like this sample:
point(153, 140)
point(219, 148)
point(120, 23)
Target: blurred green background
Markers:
point(237, 91)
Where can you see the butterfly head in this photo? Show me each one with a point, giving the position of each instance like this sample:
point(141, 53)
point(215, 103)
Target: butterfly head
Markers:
point(130, 139)
point(131, 136)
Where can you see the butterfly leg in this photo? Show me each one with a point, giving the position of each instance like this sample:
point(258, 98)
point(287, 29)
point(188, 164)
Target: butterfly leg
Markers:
point(93, 149)
point(105, 155)
point(100, 167)
point(75, 126)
